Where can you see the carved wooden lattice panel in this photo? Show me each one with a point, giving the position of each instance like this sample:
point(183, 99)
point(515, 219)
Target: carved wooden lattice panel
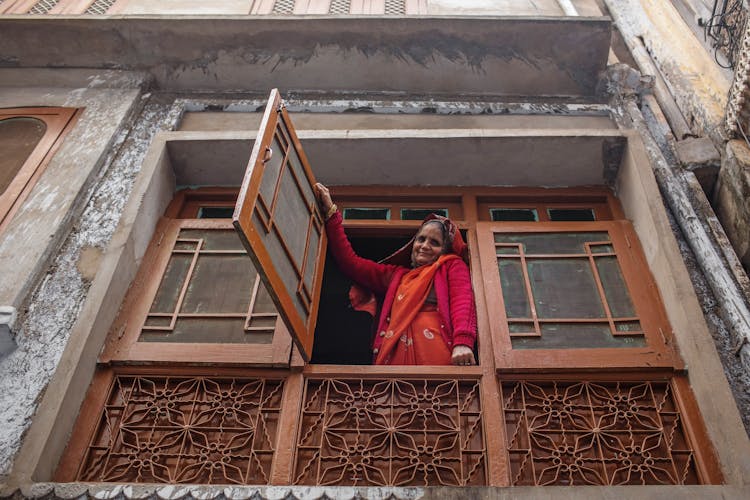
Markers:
point(609, 433)
point(185, 430)
point(391, 432)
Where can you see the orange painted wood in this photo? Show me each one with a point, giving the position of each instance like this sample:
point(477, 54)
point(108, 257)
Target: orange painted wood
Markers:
point(58, 122)
point(283, 460)
point(707, 462)
point(301, 328)
point(86, 424)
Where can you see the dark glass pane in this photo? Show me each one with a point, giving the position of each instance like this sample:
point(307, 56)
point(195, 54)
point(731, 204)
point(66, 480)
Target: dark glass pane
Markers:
point(161, 321)
point(214, 239)
point(171, 283)
point(552, 243)
point(367, 213)
point(521, 327)
point(209, 330)
point(421, 213)
point(615, 290)
point(215, 212)
point(269, 323)
point(576, 335)
point(571, 214)
point(18, 138)
point(292, 217)
point(564, 288)
point(513, 288)
point(510, 250)
point(628, 326)
point(602, 249)
point(514, 214)
point(220, 284)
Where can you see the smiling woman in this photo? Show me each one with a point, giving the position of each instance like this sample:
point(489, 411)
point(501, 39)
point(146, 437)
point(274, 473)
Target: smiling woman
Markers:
point(427, 311)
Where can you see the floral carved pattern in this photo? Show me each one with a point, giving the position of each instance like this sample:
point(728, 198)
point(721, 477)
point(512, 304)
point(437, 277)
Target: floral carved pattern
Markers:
point(185, 430)
point(391, 432)
point(596, 433)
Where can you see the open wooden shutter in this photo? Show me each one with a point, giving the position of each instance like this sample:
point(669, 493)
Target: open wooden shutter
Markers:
point(279, 223)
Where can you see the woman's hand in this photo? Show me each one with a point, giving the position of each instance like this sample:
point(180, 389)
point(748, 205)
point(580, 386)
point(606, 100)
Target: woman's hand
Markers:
point(463, 355)
point(324, 197)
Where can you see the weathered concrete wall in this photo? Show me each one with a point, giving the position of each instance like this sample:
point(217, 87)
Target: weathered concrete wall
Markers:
point(46, 325)
point(438, 55)
point(732, 202)
point(108, 99)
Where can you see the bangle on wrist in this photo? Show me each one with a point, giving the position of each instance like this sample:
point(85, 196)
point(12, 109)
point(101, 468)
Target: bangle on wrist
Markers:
point(331, 211)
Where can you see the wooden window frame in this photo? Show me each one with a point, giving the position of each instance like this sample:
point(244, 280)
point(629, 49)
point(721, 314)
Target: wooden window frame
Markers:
point(123, 345)
point(643, 294)
point(58, 121)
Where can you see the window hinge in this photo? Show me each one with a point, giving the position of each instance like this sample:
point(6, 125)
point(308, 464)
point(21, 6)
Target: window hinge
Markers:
point(121, 331)
point(161, 237)
point(627, 240)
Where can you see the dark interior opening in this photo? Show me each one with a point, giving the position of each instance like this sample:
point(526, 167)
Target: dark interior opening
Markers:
point(343, 335)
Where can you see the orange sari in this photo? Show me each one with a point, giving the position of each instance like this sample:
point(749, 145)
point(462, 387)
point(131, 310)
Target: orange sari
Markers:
point(413, 334)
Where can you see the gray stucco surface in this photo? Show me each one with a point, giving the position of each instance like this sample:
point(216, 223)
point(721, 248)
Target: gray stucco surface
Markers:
point(53, 308)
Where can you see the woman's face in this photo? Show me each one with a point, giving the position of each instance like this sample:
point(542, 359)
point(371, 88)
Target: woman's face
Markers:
point(428, 245)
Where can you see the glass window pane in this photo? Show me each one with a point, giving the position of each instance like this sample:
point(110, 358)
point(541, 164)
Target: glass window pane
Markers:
point(171, 284)
point(546, 243)
point(220, 284)
point(564, 288)
point(18, 138)
point(209, 330)
point(571, 214)
point(514, 214)
point(615, 290)
point(367, 213)
point(214, 239)
point(514, 288)
point(421, 213)
point(215, 212)
point(576, 335)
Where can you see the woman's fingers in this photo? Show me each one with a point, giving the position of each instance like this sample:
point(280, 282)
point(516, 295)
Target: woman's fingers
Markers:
point(324, 196)
point(462, 355)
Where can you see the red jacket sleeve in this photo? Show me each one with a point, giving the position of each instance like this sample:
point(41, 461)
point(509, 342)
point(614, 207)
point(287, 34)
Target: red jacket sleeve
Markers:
point(462, 307)
point(368, 273)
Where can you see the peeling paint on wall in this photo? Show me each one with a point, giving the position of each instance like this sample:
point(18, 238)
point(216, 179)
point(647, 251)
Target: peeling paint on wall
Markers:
point(46, 323)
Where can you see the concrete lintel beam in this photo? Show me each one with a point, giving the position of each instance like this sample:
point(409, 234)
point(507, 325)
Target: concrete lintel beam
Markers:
point(496, 56)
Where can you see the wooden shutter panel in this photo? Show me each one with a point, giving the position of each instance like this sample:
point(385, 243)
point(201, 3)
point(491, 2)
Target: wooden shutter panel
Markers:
point(279, 223)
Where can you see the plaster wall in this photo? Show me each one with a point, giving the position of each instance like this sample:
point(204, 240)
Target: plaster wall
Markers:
point(638, 192)
point(45, 216)
point(494, 7)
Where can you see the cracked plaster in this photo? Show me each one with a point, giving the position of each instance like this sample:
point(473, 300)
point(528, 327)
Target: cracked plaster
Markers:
point(46, 323)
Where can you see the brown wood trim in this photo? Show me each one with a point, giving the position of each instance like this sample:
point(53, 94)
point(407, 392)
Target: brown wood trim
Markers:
point(282, 467)
point(59, 122)
point(378, 371)
point(706, 461)
point(85, 426)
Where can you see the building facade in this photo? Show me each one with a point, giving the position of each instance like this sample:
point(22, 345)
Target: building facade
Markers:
point(580, 153)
